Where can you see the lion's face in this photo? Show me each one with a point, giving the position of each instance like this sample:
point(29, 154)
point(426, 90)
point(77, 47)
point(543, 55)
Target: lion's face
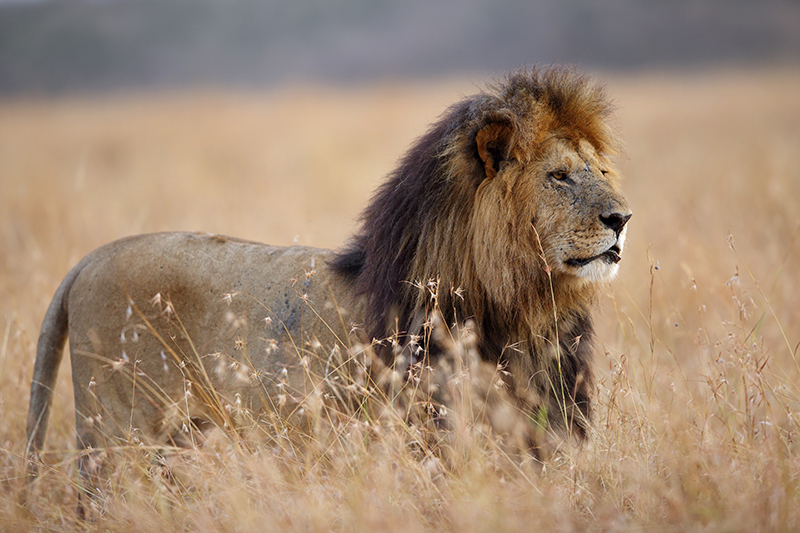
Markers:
point(580, 216)
point(563, 204)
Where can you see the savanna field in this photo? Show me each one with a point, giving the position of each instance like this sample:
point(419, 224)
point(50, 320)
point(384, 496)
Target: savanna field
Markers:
point(697, 401)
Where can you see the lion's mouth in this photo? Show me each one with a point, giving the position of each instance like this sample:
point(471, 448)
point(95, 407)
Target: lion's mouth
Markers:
point(610, 256)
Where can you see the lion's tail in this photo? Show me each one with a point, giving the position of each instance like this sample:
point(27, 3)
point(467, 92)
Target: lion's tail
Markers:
point(49, 352)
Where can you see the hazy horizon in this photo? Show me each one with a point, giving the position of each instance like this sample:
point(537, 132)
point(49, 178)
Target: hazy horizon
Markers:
point(50, 47)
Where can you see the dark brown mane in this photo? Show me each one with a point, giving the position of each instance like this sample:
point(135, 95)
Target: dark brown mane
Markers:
point(396, 223)
point(416, 227)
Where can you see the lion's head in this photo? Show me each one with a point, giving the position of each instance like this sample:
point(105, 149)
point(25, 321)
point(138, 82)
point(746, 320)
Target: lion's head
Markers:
point(511, 203)
point(548, 190)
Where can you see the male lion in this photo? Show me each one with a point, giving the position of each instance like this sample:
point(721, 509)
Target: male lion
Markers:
point(510, 203)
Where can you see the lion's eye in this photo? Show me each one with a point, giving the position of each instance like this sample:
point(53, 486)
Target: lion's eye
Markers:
point(561, 175)
point(603, 171)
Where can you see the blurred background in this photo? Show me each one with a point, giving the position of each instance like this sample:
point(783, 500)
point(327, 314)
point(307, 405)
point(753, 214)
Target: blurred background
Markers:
point(56, 46)
point(275, 120)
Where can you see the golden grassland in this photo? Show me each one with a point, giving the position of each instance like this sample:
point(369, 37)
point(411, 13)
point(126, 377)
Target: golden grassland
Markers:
point(698, 391)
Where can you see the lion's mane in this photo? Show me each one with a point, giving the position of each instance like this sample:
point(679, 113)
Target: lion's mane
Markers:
point(424, 221)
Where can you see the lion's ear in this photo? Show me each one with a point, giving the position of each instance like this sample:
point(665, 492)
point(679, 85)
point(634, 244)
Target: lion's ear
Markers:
point(492, 141)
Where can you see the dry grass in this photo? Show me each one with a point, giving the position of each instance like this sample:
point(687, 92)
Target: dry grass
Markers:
point(698, 401)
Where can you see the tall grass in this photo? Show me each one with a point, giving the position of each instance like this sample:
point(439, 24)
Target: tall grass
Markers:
point(697, 398)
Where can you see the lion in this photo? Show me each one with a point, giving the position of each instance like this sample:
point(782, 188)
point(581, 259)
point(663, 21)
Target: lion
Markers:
point(510, 205)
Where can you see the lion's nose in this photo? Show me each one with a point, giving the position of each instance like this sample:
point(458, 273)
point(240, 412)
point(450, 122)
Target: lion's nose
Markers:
point(615, 221)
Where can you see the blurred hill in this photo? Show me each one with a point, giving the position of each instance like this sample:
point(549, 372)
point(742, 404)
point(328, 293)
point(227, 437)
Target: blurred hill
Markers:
point(77, 45)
